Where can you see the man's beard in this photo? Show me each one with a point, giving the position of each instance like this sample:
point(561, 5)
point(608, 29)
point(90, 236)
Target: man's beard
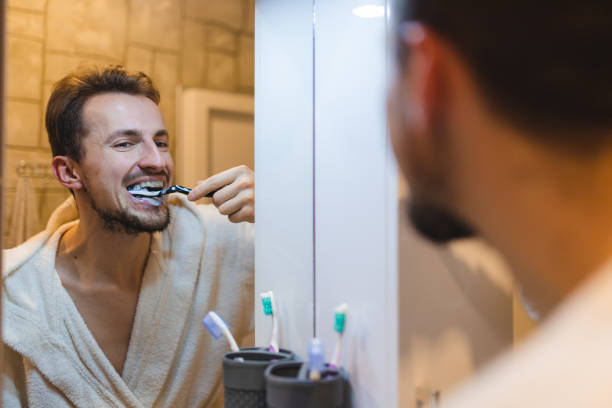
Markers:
point(436, 223)
point(124, 222)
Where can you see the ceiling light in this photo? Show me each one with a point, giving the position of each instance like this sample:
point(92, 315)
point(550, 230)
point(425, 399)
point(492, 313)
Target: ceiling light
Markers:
point(369, 11)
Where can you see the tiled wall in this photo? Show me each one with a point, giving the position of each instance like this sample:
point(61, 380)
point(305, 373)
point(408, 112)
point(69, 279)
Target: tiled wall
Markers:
point(196, 43)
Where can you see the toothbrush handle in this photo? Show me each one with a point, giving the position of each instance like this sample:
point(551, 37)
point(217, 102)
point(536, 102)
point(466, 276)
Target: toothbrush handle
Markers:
point(230, 339)
point(185, 190)
point(179, 189)
point(335, 360)
point(274, 340)
point(303, 373)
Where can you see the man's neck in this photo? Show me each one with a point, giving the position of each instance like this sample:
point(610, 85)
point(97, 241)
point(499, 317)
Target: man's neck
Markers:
point(93, 255)
point(550, 215)
point(547, 208)
point(560, 249)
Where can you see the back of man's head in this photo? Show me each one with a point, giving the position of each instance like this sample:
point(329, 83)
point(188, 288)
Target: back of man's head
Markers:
point(544, 65)
point(64, 121)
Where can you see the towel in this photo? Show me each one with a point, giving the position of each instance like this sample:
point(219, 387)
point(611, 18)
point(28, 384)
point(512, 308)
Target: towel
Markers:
point(201, 262)
point(24, 221)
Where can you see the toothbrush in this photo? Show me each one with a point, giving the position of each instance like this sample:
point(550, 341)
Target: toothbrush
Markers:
point(316, 359)
point(340, 321)
point(267, 299)
point(217, 327)
point(143, 192)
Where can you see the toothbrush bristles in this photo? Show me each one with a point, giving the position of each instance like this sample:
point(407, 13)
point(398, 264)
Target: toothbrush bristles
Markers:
point(340, 317)
point(268, 305)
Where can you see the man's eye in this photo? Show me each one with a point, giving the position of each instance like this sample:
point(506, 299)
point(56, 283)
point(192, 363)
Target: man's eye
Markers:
point(123, 144)
point(161, 144)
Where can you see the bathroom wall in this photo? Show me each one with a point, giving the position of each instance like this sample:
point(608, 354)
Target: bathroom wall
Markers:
point(193, 43)
point(455, 312)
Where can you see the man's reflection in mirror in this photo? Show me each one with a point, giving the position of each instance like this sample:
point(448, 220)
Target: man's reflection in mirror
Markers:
point(103, 307)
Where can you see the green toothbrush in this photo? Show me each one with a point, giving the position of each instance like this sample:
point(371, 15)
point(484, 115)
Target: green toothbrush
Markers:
point(267, 299)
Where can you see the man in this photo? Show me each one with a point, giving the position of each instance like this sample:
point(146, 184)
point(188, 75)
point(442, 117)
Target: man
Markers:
point(103, 308)
point(501, 119)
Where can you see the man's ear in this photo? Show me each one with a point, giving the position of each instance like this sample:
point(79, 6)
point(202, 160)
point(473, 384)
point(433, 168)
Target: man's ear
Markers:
point(424, 72)
point(67, 172)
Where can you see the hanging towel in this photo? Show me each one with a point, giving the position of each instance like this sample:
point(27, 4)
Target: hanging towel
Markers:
point(24, 221)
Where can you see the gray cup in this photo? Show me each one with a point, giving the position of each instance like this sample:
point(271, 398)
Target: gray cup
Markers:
point(286, 390)
point(243, 380)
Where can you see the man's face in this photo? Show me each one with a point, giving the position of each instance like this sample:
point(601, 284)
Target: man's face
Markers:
point(125, 144)
point(420, 138)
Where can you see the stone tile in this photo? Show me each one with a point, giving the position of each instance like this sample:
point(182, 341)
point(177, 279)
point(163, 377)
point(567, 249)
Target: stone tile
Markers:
point(249, 24)
point(22, 123)
point(93, 27)
point(246, 75)
point(169, 113)
point(59, 65)
point(165, 78)
point(219, 38)
point(38, 5)
point(165, 69)
point(20, 22)
point(156, 23)
point(24, 71)
point(44, 137)
point(221, 71)
point(227, 12)
point(194, 54)
point(139, 59)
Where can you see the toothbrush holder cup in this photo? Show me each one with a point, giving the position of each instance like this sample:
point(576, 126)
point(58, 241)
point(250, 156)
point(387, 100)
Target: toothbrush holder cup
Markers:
point(285, 388)
point(243, 376)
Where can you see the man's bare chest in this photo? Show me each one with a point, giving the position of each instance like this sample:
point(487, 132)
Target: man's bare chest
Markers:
point(109, 316)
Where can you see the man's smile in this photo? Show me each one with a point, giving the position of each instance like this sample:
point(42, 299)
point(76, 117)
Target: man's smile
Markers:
point(149, 185)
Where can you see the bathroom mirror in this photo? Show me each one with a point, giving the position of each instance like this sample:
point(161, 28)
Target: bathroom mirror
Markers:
point(200, 56)
point(185, 46)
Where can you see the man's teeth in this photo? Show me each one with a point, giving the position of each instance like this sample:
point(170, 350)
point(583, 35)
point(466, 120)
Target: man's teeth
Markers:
point(153, 201)
point(146, 185)
point(148, 191)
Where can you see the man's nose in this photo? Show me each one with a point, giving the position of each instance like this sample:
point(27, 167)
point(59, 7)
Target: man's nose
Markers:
point(151, 157)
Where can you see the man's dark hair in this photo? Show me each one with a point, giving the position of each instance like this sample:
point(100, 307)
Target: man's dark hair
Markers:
point(64, 119)
point(544, 64)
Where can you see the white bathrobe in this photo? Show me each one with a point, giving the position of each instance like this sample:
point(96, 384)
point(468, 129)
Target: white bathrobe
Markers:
point(566, 363)
point(201, 262)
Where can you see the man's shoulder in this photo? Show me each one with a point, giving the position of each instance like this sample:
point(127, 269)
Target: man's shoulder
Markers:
point(565, 363)
point(25, 290)
point(14, 259)
point(27, 270)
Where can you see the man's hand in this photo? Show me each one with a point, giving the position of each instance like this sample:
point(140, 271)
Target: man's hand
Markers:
point(234, 193)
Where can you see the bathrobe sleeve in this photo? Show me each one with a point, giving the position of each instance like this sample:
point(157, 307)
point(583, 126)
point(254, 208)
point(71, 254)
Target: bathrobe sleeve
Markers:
point(235, 246)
